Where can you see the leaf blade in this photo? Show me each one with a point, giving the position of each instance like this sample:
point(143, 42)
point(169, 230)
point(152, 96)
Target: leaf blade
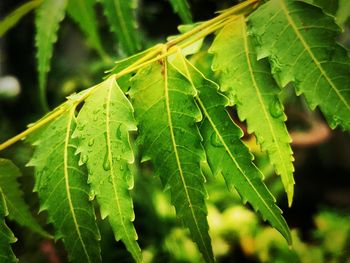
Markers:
point(17, 208)
point(182, 8)
point(250, 84)
point(314, 63)
point(49, 16)
point(122, 21)
point(12, 19)
point(6, 236)
point(82, 12)
point(110, 178)
point(62, 189)
point(173, 143)
point(226, 153)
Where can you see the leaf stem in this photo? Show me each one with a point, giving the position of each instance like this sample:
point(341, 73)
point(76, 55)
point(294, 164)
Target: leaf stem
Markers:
point(153, 55)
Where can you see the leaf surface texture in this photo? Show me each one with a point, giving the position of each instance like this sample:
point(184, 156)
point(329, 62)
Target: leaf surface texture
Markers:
point(226, 153)
point(62, 188)
point(299, 41)
point(250, 85)
point(103, 129)
point(167, 116)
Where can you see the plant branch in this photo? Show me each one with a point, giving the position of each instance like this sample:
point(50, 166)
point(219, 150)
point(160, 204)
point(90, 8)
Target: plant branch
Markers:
point(155, 53)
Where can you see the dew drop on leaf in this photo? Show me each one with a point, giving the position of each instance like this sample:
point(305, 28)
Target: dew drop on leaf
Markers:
point(275, 108)
point(119, 132)
point(84, 158)
point(215, 141)
point(106, 165)
point(91, 142)
point(91, 195)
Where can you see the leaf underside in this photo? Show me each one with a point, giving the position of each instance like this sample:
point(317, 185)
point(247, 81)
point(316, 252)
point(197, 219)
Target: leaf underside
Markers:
point(49, 15)
point(227, 154)
point(62, 188)
point(103, 125)
point(299, 41)
point(167, 116)
point(250, 85)
point(6, 236)
point(122, 20)
point(17, 208)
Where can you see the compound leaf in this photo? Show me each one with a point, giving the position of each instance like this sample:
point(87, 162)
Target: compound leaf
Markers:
point(17, 208)
point(226, 153)
point(182, 8)
point(299, 40)
point(62, 188)
point(82, 12)
point(103, 125)
point(6, 236)
point(49, 15)
point(122, 21)
point(250, 85)
point(167, 116)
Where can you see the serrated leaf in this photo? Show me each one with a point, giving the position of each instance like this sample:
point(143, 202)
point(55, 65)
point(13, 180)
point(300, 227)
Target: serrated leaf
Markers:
point(103, 125)
point(182, 8)
point(167, 115)
point(62, 188)
point(226, 153)
point(82, 12)
point(250, 85)
point(18, 209)
point(299, 41)
point(122, 21)
point(49, 16)
point(12, 19)
point(6, 235)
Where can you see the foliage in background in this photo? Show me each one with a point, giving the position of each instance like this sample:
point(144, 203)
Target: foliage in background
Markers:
point(179, 108)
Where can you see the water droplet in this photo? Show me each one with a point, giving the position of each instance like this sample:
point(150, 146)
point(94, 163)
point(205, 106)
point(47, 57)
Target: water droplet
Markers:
point(81, 127)
point(215, 141)
point(119, 132)
point(91, 142)
point(106, 163)
point(276, 108)
point(84, 158)
point(91, 195)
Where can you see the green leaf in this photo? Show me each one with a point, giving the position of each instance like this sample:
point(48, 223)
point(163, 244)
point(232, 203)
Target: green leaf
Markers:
point(328, 6)
point(49, 16)
point(343, 13)
point(62, 188)
point(250, 85)
point(6, 236)
point(103, 126)
point(167, 116)
point(82, 12)
point(12, 19)
point(18, 209)
point(299, 41)
point(182, 8)
point(227, 154)
point(122, 21)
